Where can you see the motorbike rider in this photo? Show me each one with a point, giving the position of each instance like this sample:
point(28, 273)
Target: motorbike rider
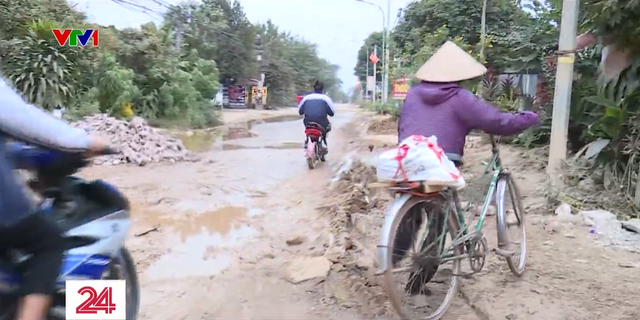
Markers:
point(317, 107)
point(439, 106)
point(20, 227)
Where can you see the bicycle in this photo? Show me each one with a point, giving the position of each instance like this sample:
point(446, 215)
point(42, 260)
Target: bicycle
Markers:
point(437, 211)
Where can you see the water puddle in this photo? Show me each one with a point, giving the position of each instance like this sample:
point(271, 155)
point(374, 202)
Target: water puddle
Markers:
point(287, 145)
point(195, 241)
point(238, 147)
point(284, 118)
point(219, 221)
point(238, 133)
point(282, 146)
point(203, 141)
point(199, 142)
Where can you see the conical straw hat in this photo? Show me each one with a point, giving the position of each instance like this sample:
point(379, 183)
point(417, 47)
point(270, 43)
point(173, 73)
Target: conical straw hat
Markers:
point(450, 64)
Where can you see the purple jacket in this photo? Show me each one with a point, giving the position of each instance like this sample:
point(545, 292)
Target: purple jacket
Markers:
point(450, 112)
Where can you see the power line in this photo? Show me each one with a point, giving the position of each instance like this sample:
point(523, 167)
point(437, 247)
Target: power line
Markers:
point(146, 9)
point(137, 6)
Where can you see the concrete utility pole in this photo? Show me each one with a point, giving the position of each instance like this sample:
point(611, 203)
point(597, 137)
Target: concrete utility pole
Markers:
point(183, 19)
point(562, 95)
point(385, 85)
point(367, 76)
point(258, 98)
point(375, 77)
point(385, 45)
point(483, 37)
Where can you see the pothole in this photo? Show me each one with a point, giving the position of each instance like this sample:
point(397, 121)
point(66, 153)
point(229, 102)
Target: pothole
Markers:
point(205, 140)
point(284, 118)
point(197, 241)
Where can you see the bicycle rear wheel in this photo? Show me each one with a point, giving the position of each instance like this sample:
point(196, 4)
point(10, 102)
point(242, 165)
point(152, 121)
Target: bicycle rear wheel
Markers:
point(511, 225)
point(416, 253)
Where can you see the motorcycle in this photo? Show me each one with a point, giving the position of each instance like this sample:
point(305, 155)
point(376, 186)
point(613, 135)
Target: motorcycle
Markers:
point(95, 217)
point(315, 151)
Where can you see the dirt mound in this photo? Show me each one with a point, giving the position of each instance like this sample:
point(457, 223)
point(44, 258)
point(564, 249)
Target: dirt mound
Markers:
point(356, 213)
point(383, 126)
point(139, 143)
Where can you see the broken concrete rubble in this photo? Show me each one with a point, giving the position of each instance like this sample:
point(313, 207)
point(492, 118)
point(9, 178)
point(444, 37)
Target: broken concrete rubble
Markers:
point(307, 268)
point(138, 142)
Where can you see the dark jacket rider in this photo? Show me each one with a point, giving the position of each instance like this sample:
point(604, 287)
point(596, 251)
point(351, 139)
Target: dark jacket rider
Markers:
point(317, 107)
point(21, 227)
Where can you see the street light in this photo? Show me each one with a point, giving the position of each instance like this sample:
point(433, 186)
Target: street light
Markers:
point(385, 46)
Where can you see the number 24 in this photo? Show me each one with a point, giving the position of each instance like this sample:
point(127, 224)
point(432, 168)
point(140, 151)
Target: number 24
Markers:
point(96, 302)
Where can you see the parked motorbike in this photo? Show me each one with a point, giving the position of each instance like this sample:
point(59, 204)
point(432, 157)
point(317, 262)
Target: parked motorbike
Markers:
point(96, 219)
point(315, 150)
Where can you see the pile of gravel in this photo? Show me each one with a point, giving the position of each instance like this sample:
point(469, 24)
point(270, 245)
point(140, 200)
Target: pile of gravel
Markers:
point(139, 143)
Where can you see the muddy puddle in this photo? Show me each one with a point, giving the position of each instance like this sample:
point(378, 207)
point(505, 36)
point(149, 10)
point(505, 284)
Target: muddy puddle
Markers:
point(203, 141)
point(198, 241)
point(281, 146)
point(284, 118)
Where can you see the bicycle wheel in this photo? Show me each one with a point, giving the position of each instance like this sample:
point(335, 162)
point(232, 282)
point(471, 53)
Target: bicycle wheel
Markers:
point(415, 265)
point(511, 217)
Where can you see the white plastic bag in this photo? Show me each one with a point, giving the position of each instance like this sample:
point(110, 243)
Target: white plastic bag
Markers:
point(419, 158)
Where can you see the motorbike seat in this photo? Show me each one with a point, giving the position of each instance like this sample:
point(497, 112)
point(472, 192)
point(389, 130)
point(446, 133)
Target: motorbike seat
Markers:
point(314, 125)
point(314, 130)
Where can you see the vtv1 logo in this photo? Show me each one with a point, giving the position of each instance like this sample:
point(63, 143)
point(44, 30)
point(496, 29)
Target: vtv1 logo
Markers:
point(96, 299)
point(75, 37)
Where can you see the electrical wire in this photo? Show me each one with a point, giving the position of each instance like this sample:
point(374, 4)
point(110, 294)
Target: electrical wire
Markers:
point(141, 7)
point(231, 37)
point(137, 6)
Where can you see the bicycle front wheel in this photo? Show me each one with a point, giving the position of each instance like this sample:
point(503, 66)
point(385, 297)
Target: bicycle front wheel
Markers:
point(419, 285)
point(511, 226)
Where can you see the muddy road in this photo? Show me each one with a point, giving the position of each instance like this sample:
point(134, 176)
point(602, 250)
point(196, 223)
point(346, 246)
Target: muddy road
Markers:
point(223, 223)
point(214, 239)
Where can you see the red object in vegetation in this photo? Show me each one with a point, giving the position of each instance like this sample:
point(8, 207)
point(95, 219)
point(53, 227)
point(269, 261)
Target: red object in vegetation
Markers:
point(298, 99)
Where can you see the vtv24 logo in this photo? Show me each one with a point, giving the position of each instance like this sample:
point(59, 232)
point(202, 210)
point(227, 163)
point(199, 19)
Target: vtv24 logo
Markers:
point(96, 299)
point(75, 37)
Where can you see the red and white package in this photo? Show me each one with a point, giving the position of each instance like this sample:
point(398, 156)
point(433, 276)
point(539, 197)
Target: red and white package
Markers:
point(419, 158)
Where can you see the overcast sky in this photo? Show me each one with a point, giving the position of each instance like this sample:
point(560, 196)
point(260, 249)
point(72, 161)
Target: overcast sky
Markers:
point(337, 26)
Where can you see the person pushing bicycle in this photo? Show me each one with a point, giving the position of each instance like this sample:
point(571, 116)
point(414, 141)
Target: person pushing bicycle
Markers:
point(439, 106)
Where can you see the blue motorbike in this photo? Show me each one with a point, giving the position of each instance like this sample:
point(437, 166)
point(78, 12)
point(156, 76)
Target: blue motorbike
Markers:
point(95, 217)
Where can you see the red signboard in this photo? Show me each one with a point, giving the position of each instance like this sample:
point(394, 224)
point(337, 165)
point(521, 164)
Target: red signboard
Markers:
point(400, 88)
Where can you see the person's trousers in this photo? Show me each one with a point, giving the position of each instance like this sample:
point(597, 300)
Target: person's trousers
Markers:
point(42, 238)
